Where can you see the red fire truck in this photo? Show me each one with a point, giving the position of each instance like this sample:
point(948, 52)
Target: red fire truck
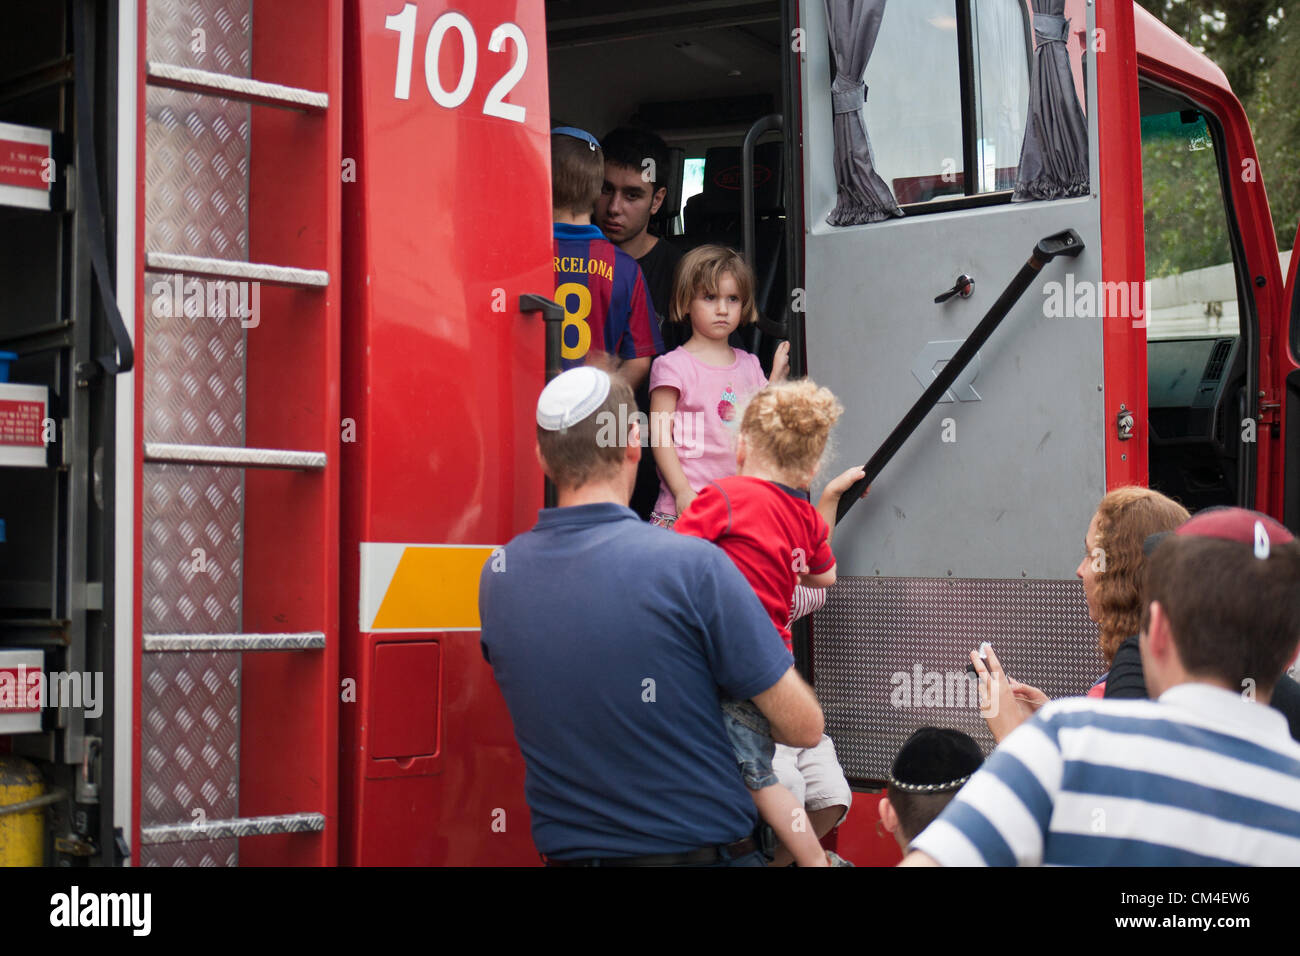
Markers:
point(274, 279)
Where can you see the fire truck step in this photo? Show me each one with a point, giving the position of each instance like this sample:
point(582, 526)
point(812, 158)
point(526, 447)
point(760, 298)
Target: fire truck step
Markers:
point(241, 88)
point(162, 453)
point(238, 827)
point(305, 641)
point(235, 269)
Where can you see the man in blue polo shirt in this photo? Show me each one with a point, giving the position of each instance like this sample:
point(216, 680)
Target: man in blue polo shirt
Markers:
point(612, 642)
point(1204, 774)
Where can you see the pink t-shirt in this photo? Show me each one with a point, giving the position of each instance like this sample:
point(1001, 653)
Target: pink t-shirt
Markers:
point(709, 400)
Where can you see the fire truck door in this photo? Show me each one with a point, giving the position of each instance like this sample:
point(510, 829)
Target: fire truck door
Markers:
point(974, 531)
point(1291, 409)
point(451, 206)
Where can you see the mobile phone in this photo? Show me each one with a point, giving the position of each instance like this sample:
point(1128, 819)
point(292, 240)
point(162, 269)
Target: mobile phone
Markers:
point(984, 656)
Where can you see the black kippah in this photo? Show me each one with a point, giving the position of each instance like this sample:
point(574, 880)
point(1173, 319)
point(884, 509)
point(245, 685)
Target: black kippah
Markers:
point(935, 760)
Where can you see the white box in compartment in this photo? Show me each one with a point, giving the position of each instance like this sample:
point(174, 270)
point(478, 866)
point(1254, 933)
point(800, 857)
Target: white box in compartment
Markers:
point(26, 166)
point(23, 411)
point(21, 688)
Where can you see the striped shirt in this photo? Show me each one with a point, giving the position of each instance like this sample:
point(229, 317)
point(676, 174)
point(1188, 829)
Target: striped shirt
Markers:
point(806, 601)
point(1201, 777)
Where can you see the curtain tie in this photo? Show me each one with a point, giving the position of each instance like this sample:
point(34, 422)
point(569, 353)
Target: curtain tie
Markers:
point(847, 100)
point(1050, 29)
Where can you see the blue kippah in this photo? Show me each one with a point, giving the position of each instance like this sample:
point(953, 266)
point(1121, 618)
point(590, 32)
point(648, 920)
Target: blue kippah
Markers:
point(576, 133)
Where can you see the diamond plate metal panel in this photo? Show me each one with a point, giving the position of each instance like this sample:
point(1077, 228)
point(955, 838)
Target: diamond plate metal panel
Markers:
point(309, 640)
point(243, 457)
point(223, 44)
point(196, 204)
point(216, 853)
point(196, 189)
point(221, 84)
point(189, 758)
point(245, 827)
point(192, 542)
point(890, 656)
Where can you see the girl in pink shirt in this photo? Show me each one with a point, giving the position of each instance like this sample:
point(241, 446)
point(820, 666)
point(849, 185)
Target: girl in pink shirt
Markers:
point(698, 388)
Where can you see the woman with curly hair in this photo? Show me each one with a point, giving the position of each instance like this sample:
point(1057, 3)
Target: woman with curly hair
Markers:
point(1111, 571)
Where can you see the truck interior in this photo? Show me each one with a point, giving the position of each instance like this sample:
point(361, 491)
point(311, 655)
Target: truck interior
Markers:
point(1201, 329)
point(700, 78)
point(56, 513)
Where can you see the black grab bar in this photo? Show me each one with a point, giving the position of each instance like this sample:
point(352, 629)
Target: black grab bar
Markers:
point(1067, 243)
point(765, 124)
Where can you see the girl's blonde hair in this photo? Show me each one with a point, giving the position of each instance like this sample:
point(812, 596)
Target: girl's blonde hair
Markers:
point(788, 425)
point(701, 270)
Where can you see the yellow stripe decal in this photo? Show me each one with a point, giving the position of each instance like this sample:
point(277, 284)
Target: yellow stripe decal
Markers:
point(433, 588)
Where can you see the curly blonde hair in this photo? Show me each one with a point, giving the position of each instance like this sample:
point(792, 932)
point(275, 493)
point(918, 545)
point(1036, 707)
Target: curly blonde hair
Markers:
point(788, 425)
point(1125, 518)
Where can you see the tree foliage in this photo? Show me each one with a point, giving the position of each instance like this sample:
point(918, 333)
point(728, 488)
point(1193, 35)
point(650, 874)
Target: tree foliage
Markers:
point(1257, 45)
point(1183, 214)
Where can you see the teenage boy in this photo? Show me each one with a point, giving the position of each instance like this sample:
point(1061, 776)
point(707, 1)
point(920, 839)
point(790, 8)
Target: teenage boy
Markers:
point(635, 184)
point(599, 286)
point(636, 171)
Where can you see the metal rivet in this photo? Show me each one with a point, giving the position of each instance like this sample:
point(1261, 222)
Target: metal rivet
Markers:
point(1099, 388)
point(1123, 457)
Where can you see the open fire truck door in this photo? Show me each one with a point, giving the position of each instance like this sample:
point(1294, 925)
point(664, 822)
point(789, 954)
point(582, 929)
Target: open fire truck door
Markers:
point(972, 532)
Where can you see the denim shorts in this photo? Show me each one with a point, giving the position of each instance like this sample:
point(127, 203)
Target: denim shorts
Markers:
point(751, 741)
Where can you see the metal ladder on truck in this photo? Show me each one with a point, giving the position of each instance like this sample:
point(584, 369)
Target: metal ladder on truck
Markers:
point(238, 420)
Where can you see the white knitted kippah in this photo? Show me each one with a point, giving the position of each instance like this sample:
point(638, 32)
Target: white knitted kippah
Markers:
point(570, 397)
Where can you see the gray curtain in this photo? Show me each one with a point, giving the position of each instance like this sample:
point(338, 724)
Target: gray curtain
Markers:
point(1054, 157)
point(861, 195)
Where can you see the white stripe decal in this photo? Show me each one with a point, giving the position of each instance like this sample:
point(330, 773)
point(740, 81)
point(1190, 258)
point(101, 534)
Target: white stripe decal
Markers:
point(378, 562)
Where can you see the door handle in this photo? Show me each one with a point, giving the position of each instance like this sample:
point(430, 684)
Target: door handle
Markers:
point(963, 287)
point(553, 316)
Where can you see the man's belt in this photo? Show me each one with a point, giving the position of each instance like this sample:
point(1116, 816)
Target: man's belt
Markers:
point(702, 856)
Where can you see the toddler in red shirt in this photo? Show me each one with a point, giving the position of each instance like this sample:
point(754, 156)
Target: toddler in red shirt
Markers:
point(777, 540)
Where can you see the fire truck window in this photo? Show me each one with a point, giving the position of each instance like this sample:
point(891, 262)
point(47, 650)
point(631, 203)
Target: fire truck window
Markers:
point(1196, 367)
point(1000, 58)
point(914, 98)
point(915, 123)
point(1192, 285)
point(692, 183)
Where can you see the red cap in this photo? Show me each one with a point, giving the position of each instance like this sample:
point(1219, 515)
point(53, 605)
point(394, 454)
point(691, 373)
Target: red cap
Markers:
point(1236, 524)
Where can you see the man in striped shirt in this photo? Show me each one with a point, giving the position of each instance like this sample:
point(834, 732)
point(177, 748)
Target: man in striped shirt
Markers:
point(1203, 775)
